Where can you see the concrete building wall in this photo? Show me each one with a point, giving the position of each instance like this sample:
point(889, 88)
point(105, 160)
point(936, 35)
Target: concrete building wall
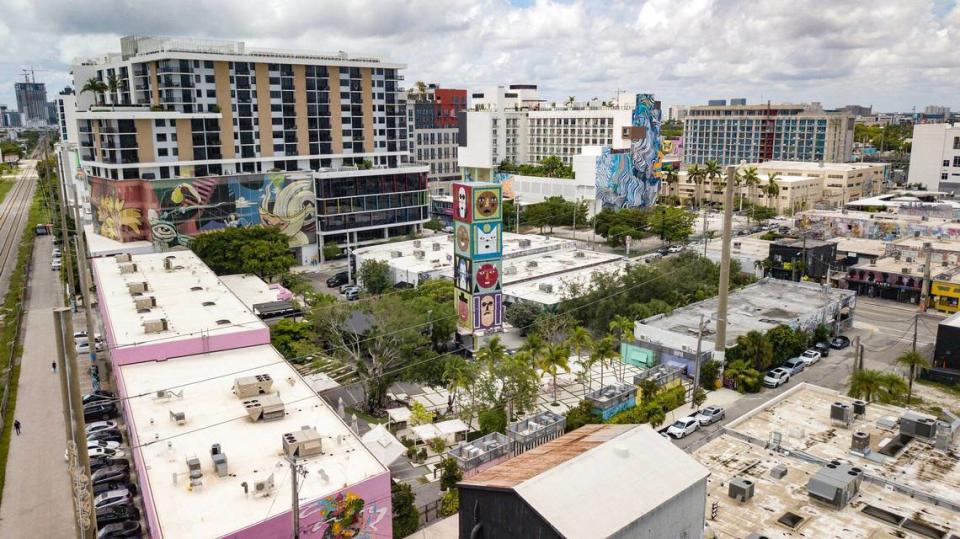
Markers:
point(682, 516)
point(934, 155)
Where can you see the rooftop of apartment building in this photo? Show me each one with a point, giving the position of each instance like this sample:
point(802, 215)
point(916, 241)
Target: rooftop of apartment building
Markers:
point(914, 244)
point(254, 483)
point(760, 306)
point(909, 487)
point(800, 243)
point(147, 48)
point(164, 298)
point(613, 473)
point(781, 506)
point(544, 288)
point(100, 246)
point(906, 199)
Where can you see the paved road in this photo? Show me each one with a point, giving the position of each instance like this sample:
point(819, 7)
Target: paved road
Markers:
point(36, 492)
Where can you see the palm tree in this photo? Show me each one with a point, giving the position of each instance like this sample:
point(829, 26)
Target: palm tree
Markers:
point(603, 351)
point(459, 375)
point(892, 387)
point(493, 352)
point(912, 360)
point(865, 384)
point(114, 84)
point(96, 87)
point(672, 178)
point(737, 181)
point(772, 188)
point(571, 100)
point(756, 348)
point(622, 327)
point(751, 180)
point(580, 340)
point(696, 174)
point(743, 375)
point(554, 358)
point(713, 172)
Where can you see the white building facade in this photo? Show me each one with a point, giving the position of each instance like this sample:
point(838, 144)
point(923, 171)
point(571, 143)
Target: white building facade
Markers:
point(935, 157)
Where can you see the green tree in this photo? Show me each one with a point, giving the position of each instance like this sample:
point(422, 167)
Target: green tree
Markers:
point(459, 375)
point(696, 174)
point(375, 276)
point(604, 350)
point(403, 501)
point(508, 383)
point(787, 342)
point(433, 225)
point(293, 339)
point(865, 384)
point(773, 190)
point(745, 378)
point(223, 250)
point(450, 474)
point(9, 147)
point(521, 315)
point(419, 415)
point(114, 85)
point(438, 445)
point(266, 259)
point(709, 371)
point(450, 502)
point(672, 179)
point(671, 224)
point(331, 251)
point(757, 349)
point(699, 397)
point(581, 415)
point(95, 86)
point(751, 179)
point(913, 361)
point(492, 420)
point(713, 172)
point(892, 387)
point(554, 358)
point(579, 340)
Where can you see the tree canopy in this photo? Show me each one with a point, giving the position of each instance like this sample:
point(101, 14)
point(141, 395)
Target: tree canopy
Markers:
point(263, 251)
point(551, 167)
point(554, 211)
point(375, 276)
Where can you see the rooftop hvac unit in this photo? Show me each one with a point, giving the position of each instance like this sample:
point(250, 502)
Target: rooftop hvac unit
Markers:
point(264, 408)
point(178, 417)
point(264, 487)
point(510, 270)
point(395, 254)
point(859, 408)
point(219, 460)
point(303, 443)
point(196, 474)
point(532, 264)
point(145, 302)
point(138, 287)
point(778, 472)
point(123, 258)
point(416, 243)
point(546, 287)
point(155, 326)
point(129, 267)
point(909, 260)
point(251, 386)
point(918, 425)
point(579, 254)
point(525, 242)
point(835, 484)
point(436, 246)
point(860, 442)
point(419, 254)
point(740, 489)
point(841, 412)
point(169, 263)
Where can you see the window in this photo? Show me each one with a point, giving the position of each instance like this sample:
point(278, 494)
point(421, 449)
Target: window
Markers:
point(162, 152)
point(161, 137)
point(956, 161)
point(160, 123)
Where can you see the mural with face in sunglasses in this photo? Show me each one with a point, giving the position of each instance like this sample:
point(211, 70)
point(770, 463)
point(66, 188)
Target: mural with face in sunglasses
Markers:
point(462, 198)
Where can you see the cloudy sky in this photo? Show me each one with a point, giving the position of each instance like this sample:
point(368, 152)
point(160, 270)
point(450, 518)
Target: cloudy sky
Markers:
point(892, 54)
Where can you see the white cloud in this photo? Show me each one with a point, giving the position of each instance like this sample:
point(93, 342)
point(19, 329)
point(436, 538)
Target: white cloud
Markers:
point(893, 54)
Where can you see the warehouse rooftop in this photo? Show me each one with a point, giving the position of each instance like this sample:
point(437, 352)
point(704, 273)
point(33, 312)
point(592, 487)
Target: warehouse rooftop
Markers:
point(255, 482)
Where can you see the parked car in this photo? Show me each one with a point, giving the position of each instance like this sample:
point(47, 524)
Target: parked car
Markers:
point(403, 285)
point(96, 396)
point(352, 294)
point(56, 253)
point(344, 288)
point(97, 452)
point(98, 463)
point(811, 356)
point(97, 426)
point(823, 348)
point(93, 444)
point(683, 427)
point(795, 365)
point(116, 513)
point(84, 347)
point(99, 411)
point(839, 343)
point(55, 264)
point(107, 435)
point(710, 415)
point(776, 377)
point(117, 530)
point(107, 486)
point(113, 497)
point(675, 248)
point(338, 279)
point(109, 474)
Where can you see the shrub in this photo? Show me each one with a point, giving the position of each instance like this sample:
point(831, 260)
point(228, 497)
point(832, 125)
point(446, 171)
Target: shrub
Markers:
point(450, 473)
point(450, 503)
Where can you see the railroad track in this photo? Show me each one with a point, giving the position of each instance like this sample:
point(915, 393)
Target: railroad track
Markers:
point(16, 212)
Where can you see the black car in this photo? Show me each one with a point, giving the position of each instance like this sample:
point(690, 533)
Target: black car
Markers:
point(110, 474)
point(126, 528)
point(107, 486)
point(97, 411)
point(823, 348)
point(116, 513)
point(98, 463)
point(108, 435)
point(97, 396)
point(403, 285)
point(839, 342)
point(338, 279)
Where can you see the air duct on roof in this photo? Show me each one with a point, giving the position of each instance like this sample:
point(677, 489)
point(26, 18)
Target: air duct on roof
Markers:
point(251, 386)
point(303, 443)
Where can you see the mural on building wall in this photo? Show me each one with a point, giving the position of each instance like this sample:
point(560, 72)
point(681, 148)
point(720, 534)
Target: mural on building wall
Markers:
point(171, 212)
point(505, 179)
point(478, 250)
point(632, 179)
point(824, 227)
point(344, 516)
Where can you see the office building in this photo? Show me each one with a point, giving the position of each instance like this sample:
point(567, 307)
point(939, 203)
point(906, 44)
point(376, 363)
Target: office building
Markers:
point(935, 157)
point(731, 133)
point(10, 118)
point(32, 103)
point(204, 134)
point(434, 131)
point(597, 481)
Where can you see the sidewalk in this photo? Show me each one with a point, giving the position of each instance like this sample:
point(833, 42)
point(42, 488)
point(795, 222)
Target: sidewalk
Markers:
point(36, 494)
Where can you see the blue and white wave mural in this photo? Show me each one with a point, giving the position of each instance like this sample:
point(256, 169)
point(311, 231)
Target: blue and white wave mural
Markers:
point(632, 180)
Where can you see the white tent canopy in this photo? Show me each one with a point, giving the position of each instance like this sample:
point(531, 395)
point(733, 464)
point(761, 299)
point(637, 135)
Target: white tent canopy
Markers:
point(444, 429)
point(383, 445)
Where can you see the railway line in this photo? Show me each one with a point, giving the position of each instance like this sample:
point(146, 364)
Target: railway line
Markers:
point(14, 213)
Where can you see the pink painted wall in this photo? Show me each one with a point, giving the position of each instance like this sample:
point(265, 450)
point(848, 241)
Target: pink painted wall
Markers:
point(374, 520)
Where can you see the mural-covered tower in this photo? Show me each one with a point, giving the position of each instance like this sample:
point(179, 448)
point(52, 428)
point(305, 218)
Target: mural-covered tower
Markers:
point(631, 178)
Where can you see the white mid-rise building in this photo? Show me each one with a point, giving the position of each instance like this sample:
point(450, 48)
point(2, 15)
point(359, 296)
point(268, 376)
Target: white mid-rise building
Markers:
point(935, 156)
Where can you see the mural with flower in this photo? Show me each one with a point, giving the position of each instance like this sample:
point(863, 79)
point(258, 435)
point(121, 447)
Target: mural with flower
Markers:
point(113, 217)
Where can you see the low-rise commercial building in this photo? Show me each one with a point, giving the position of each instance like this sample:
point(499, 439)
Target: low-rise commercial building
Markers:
point(801, 259)
point(946, 353)
point(826, 224)
point(597, 481)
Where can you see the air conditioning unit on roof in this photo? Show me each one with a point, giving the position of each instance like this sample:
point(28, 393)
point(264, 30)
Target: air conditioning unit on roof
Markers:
point(251, 386)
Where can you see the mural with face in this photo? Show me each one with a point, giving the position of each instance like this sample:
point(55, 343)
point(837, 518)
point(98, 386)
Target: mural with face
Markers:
point(487, 240)
point(487, 204)
point(487, 311)
point(463, 309)
point(488, 276)
point(463, 239)
point(461, 202)
point(462, 273)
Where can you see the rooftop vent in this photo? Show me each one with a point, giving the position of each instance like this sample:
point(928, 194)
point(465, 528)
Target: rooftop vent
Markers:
point(860, 442)
point(251, 386)
point(208, 303)
point(835, 484)
point(123, 258)
point(303, 443)
point(510, 270)
point(396, 254)
point(219, 460)
point(546, 287)
point(419, 254)
point(196, 288)
point(196, 474)
point(155, 326)
point(841, 412)
point(263, 487)
point(525, 242)
point(918, 426)
point(145, 303)
point(138, 287)
point(532, 263)
point(790, 520)
point(859, 408)
point(740, 489)
point(579, 254)
point(223, 322)
point(778, 472)
point(436, 246)
point(128, 268)
point(179, 418)
point(416, 243)
point(169, 263)
point(264, 408)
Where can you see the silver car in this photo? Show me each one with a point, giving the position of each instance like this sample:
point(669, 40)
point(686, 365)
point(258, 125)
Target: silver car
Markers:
point(112, 497)
point(710, 415)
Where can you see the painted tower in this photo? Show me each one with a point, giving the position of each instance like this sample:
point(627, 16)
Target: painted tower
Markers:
point(478, 252)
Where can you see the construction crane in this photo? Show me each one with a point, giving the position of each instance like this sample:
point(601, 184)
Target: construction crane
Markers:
point(29, 75)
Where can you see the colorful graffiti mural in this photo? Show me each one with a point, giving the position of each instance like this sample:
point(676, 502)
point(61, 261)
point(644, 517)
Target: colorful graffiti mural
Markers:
point(478, 250)
point(632, 179)
point(855, 226)
point(171, 212)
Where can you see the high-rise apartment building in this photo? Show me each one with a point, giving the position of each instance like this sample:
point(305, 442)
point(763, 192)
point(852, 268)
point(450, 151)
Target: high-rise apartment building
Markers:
point(730, 133)
point(9, 118)
point(513, 124)
point(202, 134)
point(935, 157)
point(32, 102)
point(434, 129)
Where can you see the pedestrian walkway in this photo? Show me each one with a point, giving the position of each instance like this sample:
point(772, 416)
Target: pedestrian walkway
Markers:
point(36, 493)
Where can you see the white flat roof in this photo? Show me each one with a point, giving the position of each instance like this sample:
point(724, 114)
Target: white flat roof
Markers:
point(176, 300)
point(530, 289)
point(99, 246)
point(254, 451)
point(249, 289)
point(815, 166)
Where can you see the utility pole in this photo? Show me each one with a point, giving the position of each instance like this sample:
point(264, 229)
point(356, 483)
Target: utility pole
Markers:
point(925, 287)
point(516, 202)
point(696, 371)
point(720, 341)
point(916, 322)
point(87, 286)
point(576, 206)
point(70, 382)
point(295, 495)
point(64, 237)
point(706, 236)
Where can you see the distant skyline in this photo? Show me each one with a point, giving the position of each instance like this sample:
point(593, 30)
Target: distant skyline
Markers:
point(892, 54)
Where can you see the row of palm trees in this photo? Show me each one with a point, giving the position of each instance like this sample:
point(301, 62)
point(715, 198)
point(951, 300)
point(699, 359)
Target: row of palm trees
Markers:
point(712, 171)
point(883, 386)
point(99, 88)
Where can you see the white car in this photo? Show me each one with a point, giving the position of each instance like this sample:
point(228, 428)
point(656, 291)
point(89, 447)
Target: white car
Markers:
point(675, 248)
point(711, 414)
point(94, 444)
point(683, 427)
point(84, 347)
point(810, 357)
point(99, 451)
point(98, 426)
point(56, 253)
point(776, 377)
point(111, 498)
point(55, 265)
